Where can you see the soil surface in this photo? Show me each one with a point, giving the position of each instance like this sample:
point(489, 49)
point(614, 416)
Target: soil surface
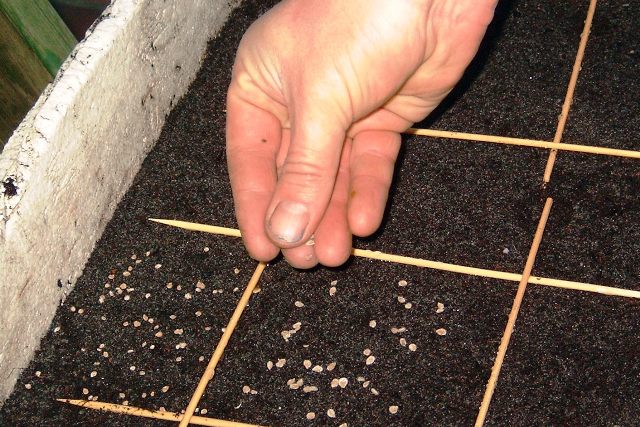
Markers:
point(143, 320)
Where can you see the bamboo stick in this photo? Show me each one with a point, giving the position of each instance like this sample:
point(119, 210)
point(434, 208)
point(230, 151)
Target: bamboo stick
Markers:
point(436, 265)
point(535, 143)
point(222, 344)
point(513, 315)
point(158, 415)
point(214, 229)
point(564, 114)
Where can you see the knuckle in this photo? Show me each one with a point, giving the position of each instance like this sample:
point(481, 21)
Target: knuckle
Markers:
point(305, 173)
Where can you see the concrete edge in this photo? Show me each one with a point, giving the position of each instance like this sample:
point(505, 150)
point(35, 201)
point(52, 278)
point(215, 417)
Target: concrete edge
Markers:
point(77, 151)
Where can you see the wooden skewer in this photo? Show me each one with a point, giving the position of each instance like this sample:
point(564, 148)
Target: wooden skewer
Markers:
point(564, 114)
point(513, 315)
point(535, 143)
point(496, 274)
point(217, 354)
point(231, 232)
point(437, 265)
point(158, 415)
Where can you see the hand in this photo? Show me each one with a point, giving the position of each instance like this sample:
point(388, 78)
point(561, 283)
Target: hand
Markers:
point(321, 90)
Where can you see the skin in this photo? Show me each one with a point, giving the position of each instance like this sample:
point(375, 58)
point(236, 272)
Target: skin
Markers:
point(321, 90)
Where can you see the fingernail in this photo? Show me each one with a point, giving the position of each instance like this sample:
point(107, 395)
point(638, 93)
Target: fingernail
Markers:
point(289, 221)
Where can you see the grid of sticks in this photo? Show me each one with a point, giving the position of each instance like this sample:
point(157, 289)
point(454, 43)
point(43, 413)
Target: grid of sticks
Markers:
point(524, 278)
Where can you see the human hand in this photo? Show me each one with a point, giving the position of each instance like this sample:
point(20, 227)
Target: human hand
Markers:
point(321, 90)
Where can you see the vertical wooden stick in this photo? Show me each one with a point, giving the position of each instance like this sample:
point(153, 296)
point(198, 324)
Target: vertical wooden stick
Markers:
point(564, 114)
point(224, 340)
point(504, 342)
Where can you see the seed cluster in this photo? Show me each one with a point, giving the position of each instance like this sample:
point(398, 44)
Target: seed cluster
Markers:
point(310, 376)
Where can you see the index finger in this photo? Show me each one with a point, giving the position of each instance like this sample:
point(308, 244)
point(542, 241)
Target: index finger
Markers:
point(253, 140)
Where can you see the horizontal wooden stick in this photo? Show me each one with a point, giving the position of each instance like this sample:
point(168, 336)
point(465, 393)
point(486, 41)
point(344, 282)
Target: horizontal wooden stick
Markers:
point(524, 142)
point(214, 229)
point(158, 415)
point(437, 265)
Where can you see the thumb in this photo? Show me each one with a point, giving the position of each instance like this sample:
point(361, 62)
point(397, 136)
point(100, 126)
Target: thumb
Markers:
point(306, 180)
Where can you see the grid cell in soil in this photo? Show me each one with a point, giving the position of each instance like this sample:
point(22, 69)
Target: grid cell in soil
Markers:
point(594, 229)
point(517, 83)
point(571, 347)
point(136, 339)
point(413, 366)
point(466, 203)
point(605, 106)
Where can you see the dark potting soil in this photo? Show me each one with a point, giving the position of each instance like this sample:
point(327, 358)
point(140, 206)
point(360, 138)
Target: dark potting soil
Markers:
point(141, 329)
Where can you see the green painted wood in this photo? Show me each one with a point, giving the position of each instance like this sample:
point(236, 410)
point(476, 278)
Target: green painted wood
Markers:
point(42, 29)
point(22, 78)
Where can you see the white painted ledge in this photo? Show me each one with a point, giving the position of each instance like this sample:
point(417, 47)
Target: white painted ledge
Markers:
point(77, 151)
